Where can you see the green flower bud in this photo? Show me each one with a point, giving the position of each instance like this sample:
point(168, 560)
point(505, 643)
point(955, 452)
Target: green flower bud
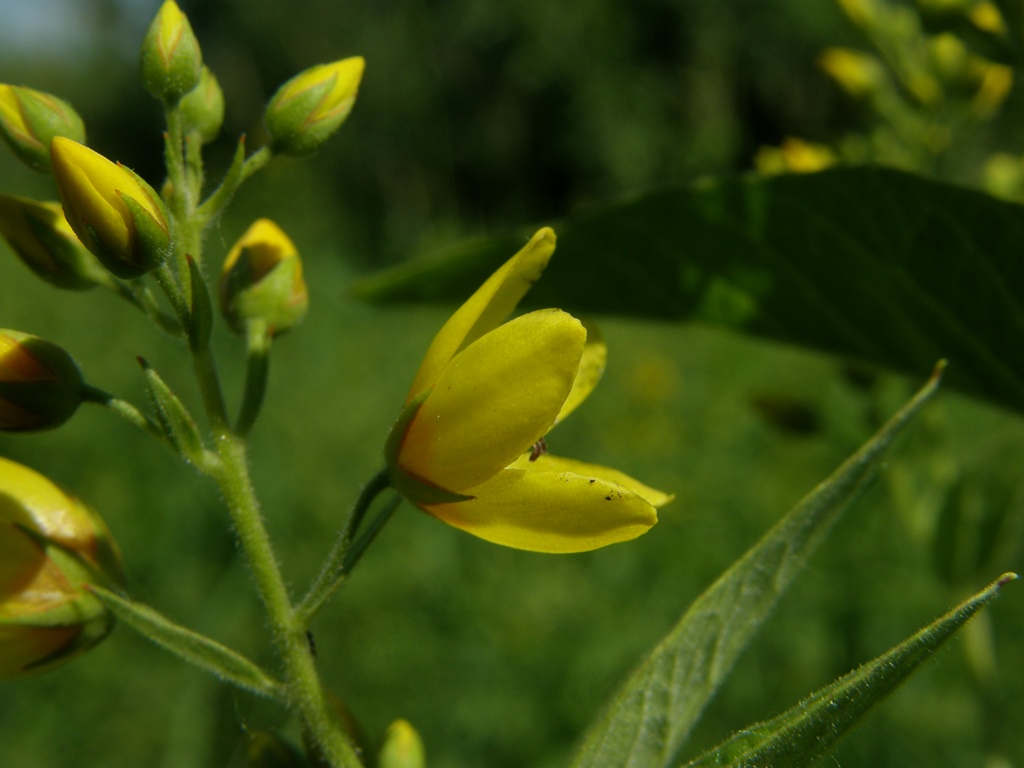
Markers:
point(42, 238)
point(115, 214)
point(403, 747)
point(262, 280)
point(30, 120)
point(202, 109)
point(51, 545)
point(171, 61)
point(311, 106)
point(40, 385)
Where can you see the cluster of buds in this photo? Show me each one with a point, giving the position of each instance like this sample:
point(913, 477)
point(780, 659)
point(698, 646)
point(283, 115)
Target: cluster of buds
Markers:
point(51, 548)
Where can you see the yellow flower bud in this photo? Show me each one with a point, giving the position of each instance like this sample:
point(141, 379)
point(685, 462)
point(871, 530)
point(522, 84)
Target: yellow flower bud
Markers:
point(29, 121)
point(50, 546)
point(987, 17)
point(40, 385)
point(42, 238)
point(994, 84)
point(171, 61)
point(262, 280)
point(859, 74)
point(115, 214)
point(794, 156)
point(403, 747)
point(311, 106)
point(202, 109)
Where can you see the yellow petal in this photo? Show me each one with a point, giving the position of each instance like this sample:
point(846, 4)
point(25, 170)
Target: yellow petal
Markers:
point(496, 398)
point(485, 309)
point(592, 365)
point(549, 463)
point(557, 512)
point(32, 501)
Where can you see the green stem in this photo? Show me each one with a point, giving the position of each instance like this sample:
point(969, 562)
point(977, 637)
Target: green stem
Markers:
point(257, 356)
point(334, 569)
point(359, 546)
point(139, 295)
point(124, 409)
point(241, 169)
point(306, 693)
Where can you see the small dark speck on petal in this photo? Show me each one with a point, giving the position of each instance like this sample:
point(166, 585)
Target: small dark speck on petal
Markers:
point(607, 498)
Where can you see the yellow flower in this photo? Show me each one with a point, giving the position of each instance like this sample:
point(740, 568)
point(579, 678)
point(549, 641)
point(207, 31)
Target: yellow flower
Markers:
point(262, 280)
point(311, 106)
point(50, 545)
point(115, 214)
point(468, 447)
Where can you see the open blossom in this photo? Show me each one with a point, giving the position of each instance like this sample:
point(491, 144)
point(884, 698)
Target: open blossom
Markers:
point(468, 447)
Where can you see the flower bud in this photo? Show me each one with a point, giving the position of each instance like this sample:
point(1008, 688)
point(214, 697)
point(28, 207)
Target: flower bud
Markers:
point(41, 237)
point(30, 120)
point(859, 74)
point(50, 546)
point(262, 280)
point(403, 747)
point(202, 109)
point(171, 61)
point(115, 214)
point(40, 385)
point(311, 106)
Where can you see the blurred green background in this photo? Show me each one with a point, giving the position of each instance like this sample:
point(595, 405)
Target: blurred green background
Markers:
point(480, 118)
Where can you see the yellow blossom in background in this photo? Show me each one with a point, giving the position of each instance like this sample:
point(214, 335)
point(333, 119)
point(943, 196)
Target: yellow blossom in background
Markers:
point(794, 156)
point(996, 80)
point(468, 447)
point(857, 73)
point(986, 17)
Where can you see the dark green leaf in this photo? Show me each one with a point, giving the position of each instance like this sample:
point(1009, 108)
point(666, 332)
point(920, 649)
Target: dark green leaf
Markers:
point(650, 717)
point(194, 648)
point(869, 263)
point(808, 730)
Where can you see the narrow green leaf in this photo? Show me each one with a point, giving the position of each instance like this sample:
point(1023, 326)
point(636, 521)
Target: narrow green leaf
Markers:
point(808, 730)
point(650, 717)
point(202, 312)
point(870, 263)
point(177, 423)
point(191, 646)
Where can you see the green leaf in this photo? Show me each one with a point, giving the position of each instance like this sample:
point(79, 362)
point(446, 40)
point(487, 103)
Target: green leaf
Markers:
point(201, 317)
point(808, 730)
point(870, 263)
point(177, 423)
point(651, 716)
point(191, 646)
